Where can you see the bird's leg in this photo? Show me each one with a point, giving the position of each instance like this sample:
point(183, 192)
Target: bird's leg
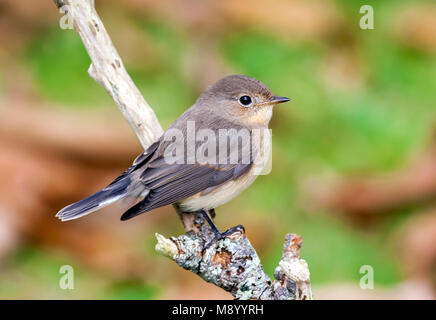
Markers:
point(218, 234)
point(212, 213)
point(210, 222)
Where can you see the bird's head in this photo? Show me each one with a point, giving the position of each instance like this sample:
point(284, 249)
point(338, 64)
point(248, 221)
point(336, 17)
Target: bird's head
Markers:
point(241, 99)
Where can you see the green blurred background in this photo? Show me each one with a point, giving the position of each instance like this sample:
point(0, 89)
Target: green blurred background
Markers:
point(352, 152)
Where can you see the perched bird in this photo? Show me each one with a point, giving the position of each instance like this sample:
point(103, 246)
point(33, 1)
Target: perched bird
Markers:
point(185, 168)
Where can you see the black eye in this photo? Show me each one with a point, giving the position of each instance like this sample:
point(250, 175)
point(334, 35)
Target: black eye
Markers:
point(245, 100)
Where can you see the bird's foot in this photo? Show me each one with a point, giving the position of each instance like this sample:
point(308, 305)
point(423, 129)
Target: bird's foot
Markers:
point(219, 236)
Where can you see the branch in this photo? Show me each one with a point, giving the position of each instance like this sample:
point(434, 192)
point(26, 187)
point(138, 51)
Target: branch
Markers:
point(231, 263)
point(108, 69)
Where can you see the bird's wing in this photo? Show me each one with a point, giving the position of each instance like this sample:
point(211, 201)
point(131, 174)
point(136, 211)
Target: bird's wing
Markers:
point(171, 183)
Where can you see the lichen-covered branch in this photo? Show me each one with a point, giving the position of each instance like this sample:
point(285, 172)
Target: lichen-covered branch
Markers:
point(231, 263)
point(293, 269)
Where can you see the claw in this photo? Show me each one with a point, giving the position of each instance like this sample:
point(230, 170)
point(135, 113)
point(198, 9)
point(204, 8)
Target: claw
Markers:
point(218, 235)
point(239, 228)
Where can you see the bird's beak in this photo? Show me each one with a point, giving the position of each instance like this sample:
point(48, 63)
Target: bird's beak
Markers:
point(277, 99)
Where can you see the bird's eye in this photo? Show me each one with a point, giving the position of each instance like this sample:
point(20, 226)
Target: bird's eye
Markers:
point(245, 100)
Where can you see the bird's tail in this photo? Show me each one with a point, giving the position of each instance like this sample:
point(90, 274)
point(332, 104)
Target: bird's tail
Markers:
point(117, 190)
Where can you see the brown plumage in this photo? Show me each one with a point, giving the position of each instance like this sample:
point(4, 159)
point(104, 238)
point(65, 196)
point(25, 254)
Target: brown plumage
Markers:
point(188, 182)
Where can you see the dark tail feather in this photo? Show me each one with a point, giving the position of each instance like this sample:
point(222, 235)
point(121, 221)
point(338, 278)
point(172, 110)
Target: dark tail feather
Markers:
point(114, 192)
point(137, 209)
point(122, 187)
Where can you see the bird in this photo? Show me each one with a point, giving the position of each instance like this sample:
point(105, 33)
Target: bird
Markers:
point(197, 174)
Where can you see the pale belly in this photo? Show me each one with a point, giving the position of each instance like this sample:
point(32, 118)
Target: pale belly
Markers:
point(222, 194)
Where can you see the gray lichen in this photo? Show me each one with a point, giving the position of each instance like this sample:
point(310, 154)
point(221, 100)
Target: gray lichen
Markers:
point(233, 265)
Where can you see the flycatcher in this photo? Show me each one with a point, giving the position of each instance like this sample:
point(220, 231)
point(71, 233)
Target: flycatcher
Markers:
point(208, 156)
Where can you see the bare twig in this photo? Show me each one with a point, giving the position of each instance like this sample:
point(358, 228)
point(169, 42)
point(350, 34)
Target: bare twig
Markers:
point(108, 70)
point(231, 263)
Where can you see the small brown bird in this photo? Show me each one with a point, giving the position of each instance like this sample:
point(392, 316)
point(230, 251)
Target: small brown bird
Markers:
point(208, 156)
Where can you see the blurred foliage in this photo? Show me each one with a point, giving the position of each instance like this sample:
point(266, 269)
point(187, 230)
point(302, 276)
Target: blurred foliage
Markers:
point(32, 267)
point(163, 84)
point(59, 63)
point(375, 127)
